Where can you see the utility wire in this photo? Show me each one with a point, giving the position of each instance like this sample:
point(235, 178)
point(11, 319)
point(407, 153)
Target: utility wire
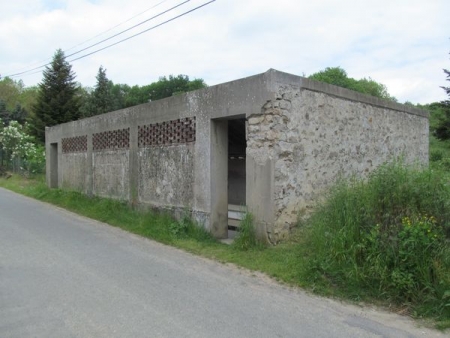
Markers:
point(100, 34)
point(144, 31)
point(118, 25)
point(41, 66)
point(126, 30)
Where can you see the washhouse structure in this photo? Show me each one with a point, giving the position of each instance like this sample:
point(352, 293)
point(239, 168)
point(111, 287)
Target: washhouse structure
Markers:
point(270, 143)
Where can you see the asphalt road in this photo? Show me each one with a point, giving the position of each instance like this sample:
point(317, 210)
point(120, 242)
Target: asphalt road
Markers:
point(62, 275)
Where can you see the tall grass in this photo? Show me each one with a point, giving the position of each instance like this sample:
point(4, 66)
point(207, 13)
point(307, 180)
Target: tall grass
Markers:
point(387, 238)
point(246, 237)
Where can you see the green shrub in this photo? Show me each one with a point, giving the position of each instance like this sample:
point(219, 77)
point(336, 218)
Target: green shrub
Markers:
point(386, 237)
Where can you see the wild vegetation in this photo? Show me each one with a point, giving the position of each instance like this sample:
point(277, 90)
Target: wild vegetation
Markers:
point(338, 77)
point(386, 238)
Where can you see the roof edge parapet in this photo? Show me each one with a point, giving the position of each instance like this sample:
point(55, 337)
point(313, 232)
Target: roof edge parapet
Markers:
point(277, 77)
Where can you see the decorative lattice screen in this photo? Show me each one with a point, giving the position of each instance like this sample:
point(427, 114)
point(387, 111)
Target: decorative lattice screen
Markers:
point(167, 133)
point(114, 139)
point(77, 144)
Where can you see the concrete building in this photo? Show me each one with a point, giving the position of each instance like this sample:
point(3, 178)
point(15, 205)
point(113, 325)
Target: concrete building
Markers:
point(272, 142)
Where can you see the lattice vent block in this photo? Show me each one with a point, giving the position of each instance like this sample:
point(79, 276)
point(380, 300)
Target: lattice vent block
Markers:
point(167, 133)
point(77, 144)
point(113, 139)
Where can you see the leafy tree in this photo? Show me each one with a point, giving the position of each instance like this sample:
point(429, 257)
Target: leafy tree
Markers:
point(334, 75)
point(119, 93)
point(164, 87)
point(137, 95)
point(28, 98)
point(173, 85)
point(338, 77)
point(443, 126)
point(10, 91)
point(58, 99)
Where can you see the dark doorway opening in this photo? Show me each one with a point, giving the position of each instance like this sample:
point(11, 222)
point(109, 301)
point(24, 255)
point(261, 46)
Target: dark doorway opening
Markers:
point(237, 145)
point(53, 165)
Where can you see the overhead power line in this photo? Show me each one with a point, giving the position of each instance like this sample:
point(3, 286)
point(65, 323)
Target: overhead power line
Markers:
point(118, 25)
point(86, 41)
point(128, 29)
point(144, 31)
point(123, 40)
point(42, 66)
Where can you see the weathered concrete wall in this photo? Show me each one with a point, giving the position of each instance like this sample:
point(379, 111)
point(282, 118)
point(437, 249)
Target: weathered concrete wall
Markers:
point(166, 176)
point(74, 171)
point(111, 174)
point(173, 153)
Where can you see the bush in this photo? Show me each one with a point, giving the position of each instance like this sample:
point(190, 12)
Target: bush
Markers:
point(389, 236)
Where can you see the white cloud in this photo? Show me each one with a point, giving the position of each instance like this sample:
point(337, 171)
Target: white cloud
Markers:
point(402, 44)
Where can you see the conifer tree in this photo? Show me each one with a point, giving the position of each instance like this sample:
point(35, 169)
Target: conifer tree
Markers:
point(57, 100)
point(102, 97)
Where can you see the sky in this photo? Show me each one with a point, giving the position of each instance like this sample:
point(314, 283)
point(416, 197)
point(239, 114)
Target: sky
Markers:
point(403, 44)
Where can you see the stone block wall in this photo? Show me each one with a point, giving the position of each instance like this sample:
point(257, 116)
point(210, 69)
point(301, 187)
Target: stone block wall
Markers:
point(314, 138)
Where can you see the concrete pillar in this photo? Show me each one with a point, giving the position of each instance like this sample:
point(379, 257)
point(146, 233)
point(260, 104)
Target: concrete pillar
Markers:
point(260, 187)
point(53, 165)
point(134, 165)
point(89, 167)
point(219, 178)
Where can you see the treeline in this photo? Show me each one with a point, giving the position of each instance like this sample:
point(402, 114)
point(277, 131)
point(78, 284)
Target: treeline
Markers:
point(107, 96)
point(59, 98)
point(338, 77)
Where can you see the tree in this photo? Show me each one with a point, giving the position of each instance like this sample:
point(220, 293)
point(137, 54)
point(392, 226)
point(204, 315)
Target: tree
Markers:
point(10, 91)
point(443, 126)
point(164, 87)
point(4, 113)
point(85, 98)
point(119, 93)
point(19, 114)
point(20, 148)
point(102, 97)
point(57, 100)
point(338, 77)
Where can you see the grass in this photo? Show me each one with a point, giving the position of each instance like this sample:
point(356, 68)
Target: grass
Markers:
point(357, 246)
point(385, 239)
point(279, 262)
